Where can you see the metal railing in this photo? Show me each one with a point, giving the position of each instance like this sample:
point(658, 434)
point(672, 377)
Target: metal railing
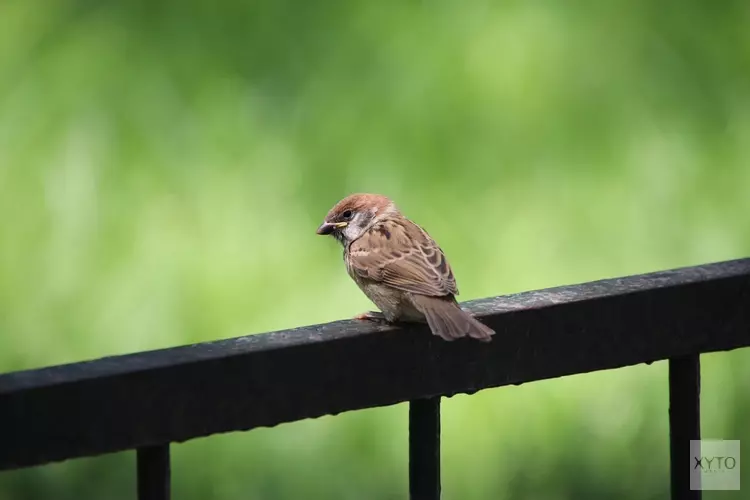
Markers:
point(147, 400)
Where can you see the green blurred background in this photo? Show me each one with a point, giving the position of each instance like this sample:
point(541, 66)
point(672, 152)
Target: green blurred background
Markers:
point(164, 165)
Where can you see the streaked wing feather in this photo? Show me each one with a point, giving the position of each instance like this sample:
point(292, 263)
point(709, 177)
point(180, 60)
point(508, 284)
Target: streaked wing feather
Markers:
point(404, 257)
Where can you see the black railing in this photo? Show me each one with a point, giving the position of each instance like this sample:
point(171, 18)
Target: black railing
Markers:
point(146, 401)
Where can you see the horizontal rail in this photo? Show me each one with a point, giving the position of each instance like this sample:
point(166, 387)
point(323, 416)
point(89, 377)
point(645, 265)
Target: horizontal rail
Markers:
point(172, 395)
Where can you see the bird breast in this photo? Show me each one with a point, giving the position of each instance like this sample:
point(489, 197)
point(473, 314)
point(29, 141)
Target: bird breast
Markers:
point(395, 304)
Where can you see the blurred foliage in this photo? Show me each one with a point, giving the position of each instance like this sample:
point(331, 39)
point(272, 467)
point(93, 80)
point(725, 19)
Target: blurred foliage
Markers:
point(163, 167)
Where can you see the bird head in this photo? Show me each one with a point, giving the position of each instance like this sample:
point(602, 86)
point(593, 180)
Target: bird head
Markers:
point(355, 214)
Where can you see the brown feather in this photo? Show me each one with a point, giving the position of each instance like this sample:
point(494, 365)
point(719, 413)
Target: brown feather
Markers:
point(358, 202)
point(449, 321)
point(409, 260)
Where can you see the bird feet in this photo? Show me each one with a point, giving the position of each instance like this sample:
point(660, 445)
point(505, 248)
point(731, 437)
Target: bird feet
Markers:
point(376, 317)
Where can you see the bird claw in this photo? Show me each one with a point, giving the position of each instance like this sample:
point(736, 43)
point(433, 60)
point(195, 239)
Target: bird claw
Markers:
point(371, 316)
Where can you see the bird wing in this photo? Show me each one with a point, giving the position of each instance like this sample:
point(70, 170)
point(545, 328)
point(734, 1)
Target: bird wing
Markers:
point(399, 253)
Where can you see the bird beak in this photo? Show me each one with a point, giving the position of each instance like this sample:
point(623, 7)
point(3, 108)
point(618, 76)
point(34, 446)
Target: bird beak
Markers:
point(329, 227)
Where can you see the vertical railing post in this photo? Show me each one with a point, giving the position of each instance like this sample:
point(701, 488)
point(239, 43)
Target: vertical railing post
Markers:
point(684, 423)
point(153, 472)
point(424, 449)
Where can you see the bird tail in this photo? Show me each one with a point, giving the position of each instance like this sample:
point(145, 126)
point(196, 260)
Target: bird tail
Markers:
point(447, 320)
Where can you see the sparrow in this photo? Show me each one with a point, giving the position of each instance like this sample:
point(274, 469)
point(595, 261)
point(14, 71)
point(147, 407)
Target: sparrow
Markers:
point(399, 267)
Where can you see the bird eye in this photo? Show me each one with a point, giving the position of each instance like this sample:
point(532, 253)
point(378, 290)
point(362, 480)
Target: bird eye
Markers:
point(347, 214)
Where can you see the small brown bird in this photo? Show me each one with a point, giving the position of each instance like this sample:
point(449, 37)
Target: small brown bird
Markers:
point(399, 267)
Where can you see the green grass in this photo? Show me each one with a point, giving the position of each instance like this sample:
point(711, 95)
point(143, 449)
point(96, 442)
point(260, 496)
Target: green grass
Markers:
point(163, 169)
